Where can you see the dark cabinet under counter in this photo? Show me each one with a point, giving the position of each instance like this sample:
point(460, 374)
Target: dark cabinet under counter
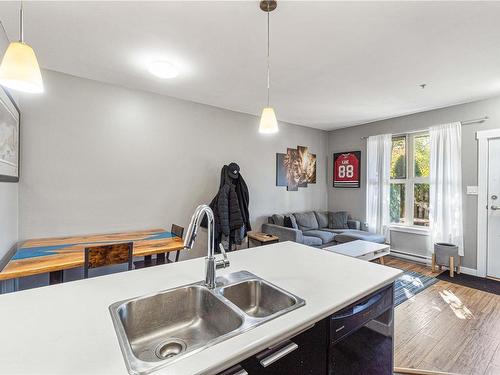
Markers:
point(304, 354)
point(361, 336)
point(356, 340)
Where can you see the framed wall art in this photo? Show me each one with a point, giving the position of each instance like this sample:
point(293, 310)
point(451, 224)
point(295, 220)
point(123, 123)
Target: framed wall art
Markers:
point(296, 168)
point(9, 138)
point(347, 169)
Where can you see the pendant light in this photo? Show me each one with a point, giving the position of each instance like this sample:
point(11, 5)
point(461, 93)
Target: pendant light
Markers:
point(268, 123)
point(19, 69)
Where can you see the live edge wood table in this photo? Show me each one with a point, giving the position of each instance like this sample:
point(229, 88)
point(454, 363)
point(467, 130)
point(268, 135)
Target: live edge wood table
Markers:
point(262, 238)
point(53, 255)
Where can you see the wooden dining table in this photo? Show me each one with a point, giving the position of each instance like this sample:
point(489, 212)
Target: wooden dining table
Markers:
point(54, 255)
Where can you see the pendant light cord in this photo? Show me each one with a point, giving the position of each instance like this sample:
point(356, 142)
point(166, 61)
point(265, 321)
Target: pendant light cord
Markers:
point(268, 56)
point(21, 23)
point(5, 32)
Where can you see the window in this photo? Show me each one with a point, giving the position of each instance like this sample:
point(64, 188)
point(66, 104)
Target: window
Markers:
point(410, 163)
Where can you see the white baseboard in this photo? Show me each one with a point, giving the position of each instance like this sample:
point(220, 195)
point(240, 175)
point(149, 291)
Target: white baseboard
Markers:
point(426, 260)
point(469, 271)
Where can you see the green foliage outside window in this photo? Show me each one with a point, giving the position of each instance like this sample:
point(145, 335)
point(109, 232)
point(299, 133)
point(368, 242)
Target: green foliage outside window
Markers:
point(403, 187)
point(421, 204)
point(397, 205)
point(398, 158)
point(422, 156)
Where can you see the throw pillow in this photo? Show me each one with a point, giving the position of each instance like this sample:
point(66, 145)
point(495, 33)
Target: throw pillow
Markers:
point(279, 220)
point(338, 220)
point(290, 221)
point(306, 220)
point(322, 218)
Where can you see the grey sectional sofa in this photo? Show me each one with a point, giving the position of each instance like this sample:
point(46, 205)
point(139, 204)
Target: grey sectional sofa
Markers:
point(317, 228)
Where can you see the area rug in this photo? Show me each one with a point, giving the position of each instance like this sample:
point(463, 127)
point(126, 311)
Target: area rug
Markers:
point(480, 283)
point(410, 284)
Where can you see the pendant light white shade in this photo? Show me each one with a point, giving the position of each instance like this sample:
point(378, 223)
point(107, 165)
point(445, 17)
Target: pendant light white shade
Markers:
point(268, 123)
point(19, 69)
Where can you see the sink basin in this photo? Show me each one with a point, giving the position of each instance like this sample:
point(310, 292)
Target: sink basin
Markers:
point(257, 298)
point(158, 329)
point(166, 324)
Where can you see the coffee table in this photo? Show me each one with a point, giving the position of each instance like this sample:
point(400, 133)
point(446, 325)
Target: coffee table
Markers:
point(362, 250)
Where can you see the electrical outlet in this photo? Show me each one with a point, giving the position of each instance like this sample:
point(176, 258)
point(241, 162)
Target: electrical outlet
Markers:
point(471, 190)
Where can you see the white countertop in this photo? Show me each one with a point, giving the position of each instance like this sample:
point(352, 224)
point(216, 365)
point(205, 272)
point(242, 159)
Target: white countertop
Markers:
point(67, 328)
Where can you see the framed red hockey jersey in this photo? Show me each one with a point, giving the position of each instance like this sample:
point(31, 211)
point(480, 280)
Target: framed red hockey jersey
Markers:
point(347, 169)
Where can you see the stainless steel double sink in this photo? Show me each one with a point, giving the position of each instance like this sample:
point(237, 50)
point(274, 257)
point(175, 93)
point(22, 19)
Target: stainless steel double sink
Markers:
point(159, 329)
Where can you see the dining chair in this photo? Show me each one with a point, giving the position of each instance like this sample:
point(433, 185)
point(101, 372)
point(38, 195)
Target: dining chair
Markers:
point(107, 255)
point(177, 231)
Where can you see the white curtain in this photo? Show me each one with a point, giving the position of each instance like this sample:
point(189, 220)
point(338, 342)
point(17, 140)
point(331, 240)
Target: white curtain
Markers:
point(445, 209)
point(378, 175)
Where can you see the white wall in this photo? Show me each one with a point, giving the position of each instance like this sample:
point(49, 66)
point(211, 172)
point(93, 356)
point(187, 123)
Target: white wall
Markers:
point(354, 199)
point(99, 158)
point(8, 202)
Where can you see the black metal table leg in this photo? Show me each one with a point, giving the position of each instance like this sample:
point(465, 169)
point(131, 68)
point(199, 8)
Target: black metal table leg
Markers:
point(160, 258)
point(147, 260)
point(55, 277)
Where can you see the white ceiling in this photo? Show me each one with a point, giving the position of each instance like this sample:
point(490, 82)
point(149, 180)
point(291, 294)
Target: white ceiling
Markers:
point(333, 64)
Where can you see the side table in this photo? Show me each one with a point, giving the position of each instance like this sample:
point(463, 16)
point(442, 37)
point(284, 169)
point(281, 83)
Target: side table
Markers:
point(262, 238)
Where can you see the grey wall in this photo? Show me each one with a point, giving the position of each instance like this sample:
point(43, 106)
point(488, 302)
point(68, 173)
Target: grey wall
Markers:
point(100, 158)
point(348, 139)
point(8, 202)
point(8, 216)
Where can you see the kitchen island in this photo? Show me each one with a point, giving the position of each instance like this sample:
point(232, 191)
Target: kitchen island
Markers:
point(67, 328)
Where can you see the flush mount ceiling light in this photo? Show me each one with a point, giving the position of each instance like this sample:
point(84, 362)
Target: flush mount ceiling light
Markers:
point(19, 69)
point(268, 123)
point(163, 69)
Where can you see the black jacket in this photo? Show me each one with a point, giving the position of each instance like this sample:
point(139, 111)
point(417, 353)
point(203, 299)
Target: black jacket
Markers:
point(230, 207)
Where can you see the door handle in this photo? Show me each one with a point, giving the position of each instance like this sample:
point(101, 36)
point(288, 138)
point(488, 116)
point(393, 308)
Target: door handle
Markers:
point(276, 356)
point(235, 370)
point(494, 208)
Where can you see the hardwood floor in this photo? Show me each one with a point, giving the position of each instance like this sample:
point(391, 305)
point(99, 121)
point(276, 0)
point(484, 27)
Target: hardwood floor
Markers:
point(447, 327)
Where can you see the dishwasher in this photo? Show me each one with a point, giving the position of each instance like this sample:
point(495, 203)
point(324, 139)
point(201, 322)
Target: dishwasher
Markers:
point(361, 340)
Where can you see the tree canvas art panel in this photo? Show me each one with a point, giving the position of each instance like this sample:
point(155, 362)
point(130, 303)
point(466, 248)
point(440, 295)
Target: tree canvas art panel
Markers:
point(296, 168)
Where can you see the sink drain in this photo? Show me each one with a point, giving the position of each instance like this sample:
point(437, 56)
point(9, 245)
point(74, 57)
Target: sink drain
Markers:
point(170, 348)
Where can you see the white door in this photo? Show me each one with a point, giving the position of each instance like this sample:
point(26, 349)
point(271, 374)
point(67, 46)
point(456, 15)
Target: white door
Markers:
point(493, 260)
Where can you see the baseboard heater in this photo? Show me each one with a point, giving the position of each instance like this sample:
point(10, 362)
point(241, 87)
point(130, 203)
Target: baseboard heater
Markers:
point(424, 258)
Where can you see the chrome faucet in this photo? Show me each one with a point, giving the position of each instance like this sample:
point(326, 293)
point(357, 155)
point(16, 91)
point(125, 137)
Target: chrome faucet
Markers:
point(211, 264)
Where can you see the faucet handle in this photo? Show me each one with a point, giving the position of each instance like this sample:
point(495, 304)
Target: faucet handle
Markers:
point(222, 263)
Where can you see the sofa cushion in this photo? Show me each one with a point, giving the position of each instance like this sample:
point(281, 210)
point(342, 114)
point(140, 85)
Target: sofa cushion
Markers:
point(311, 241)
point(306, 220)
point(336, 231)
point(279, 220)
point(322, 218)
point(338, 220)
point(352, 235)
point(290, 222)
point(325, 236)
point(354, 224)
